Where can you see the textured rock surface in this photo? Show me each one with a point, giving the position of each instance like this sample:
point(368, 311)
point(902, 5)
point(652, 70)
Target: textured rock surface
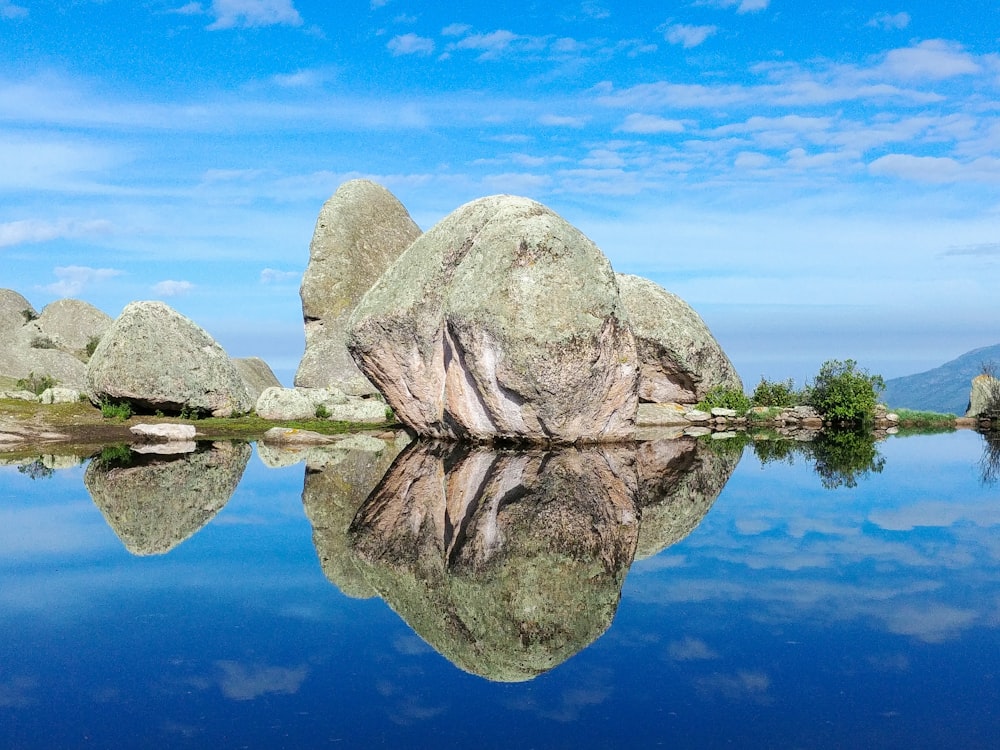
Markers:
point(502, 321)
point(257, 375)
point(155, 358)
point(360, 232)
point(51, 344)
point(154, 503)
point(506, 563)
point(983, 388)
point(680, 359)
point(338, 480)
point(163, 431)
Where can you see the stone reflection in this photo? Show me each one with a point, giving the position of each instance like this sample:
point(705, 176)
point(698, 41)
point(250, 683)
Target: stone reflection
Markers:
point(509, 562)
point(153, 502)
point(679, 480)
point(338, 479)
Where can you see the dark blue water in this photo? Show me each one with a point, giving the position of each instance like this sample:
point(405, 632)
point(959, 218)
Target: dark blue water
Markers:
point(792, 615)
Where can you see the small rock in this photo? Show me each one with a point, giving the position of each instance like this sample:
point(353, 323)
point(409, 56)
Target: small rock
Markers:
point(289, 435)
point(165, 431)
point(696, 415)
point(718, 411)
point(59, 395)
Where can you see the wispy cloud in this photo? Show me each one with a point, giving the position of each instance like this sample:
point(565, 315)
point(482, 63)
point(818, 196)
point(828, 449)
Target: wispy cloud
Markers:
point(274, 276)
point(171, 288)
point(934, 59)
point(240, 682)
point(562, 121)
point(690, 649)
point(688, 36)
point(890, 21)
point(650, 124)
point(9, 10)
point(410, 44)
point(245, 14)
point(34, 230)
point(72, 280)
point(742, 6)
point(984, 249)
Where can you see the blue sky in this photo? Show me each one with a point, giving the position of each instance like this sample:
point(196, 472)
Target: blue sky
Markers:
point(817, 183)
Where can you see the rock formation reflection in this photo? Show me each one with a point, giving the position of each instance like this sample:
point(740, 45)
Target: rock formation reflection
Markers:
point(510, 562)
point(153, 502)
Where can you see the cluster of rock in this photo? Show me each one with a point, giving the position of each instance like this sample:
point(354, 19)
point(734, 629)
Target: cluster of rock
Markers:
point(984, 398)
point(502, 322)
point(56, 343)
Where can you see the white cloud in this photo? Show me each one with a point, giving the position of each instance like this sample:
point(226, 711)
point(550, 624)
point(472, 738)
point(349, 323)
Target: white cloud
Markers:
point(309, 78)
point(410, 44)
point(170, 288)
point(742, 6)
point(252, 13)
point(456, 29)
point(934, 59)
point(562, 121)
point(940, 169)
point(890, 21)
point(191, 9)
point(274, 276)
point(33, 230)
point(244, 683)
point(74, 279)
point(9, 10)
point(688, 36)
point(496, 43)
point(690, 649)
point(650, 124)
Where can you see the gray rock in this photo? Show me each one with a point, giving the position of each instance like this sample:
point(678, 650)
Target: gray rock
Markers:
point(680, 359)
point(72, 325)
point(153, 503)
point(501, 322)
point(360, 232)
point(985, 389)
point(257, 375)
point(292, 436)
point(296, 403)
point(13, 307)
point(59, 395)
point(164, 431)
point(155, 358)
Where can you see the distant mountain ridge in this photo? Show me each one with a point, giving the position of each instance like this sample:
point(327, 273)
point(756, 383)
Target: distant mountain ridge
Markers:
point(944, 389)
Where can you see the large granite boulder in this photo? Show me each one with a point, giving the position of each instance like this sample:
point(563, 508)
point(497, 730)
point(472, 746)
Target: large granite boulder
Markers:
point(360, 232)
point(54, 344)
point(501, 322)
point(257, 375)
point(157, 359)
point(985, 392)
point(680, 360)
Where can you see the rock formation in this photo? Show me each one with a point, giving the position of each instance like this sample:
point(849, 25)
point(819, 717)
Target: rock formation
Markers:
point(157, 359)
point(360, 232)
point(985, 392)
point(257, 375)
point(507, 563)
point(501, 322)
point(153, 503)
point(55, 343)
point(680, 360)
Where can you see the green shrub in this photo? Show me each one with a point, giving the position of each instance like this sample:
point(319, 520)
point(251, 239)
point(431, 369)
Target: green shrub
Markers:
point(37, 384)
point(120, 410)
point(775, 393)
point(91, 346)
point(844, 393)
point(725, 398)
point(28, 315)
point(322, 412)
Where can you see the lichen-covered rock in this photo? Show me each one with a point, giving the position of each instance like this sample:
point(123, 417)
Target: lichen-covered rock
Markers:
point(153, 503)
point(985, 393)
point(360, 232)
point(53, 344)
point(164, 431)
point(680, 360)
point(155, 358)
point(506, 563)
point(257, 375)
point(501, 322)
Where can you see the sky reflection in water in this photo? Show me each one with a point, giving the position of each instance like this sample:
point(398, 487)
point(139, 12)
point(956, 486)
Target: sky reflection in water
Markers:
point(792, 615)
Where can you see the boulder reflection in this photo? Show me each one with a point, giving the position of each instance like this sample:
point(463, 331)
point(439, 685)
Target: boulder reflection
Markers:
point(153, 502)
point(510, 562)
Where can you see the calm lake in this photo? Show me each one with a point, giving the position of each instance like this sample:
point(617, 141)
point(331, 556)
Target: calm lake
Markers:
point(685, 594)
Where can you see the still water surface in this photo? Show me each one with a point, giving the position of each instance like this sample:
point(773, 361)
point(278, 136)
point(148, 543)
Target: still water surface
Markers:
point(473, 600)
